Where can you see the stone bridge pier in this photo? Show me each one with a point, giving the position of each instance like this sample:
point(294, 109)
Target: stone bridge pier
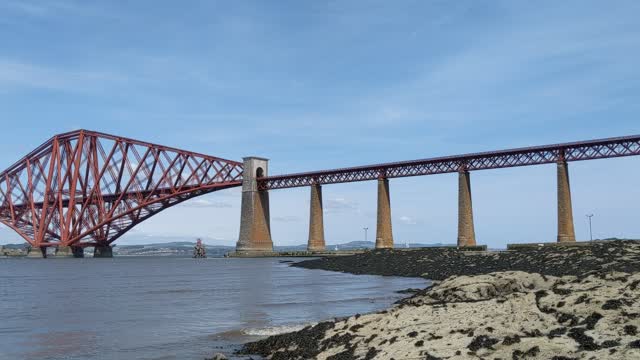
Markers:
point(255, 223)
point(37, 252)
point(566, 232)
point(255, 229)
point(466, 229)
point(103, 250)
point(69, 251)
point(316, 220)
point(384, 231)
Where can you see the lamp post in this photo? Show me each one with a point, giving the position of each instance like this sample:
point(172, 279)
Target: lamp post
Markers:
point(589, 216)
point(365, 232)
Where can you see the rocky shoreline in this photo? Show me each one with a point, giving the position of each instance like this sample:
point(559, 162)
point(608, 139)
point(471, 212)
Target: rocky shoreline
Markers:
point(441, 263)
point(557, 303)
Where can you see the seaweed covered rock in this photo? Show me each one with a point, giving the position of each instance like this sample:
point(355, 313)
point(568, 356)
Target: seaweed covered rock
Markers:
point(507, 315)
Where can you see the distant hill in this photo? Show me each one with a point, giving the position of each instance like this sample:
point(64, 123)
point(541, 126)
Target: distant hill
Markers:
point(185, 248)
point(15, 246)
point(181, 248)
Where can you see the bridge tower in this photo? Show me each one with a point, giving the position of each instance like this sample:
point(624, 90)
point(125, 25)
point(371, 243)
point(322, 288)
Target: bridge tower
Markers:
point(255, 224)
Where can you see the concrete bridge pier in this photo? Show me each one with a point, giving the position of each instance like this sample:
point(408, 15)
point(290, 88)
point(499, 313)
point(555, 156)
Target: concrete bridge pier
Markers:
point(566, 232)
point(255, 224)
point(384, 232)
point(78, 251)
point(37, 252)
point(103, 251)
point(69, 251)
point(316, 222)
point(466, 229)
point(63, 251)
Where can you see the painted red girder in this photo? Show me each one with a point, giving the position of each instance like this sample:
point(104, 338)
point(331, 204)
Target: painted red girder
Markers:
point(84, 187)
point(576, 151)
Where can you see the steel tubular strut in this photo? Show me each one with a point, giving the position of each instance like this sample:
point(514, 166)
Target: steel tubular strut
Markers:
point(70, 191)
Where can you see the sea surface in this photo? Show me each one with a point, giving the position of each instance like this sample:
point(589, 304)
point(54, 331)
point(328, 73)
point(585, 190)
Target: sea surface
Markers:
point(168, 307)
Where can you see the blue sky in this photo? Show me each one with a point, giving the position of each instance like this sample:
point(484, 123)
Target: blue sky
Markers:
point(324, 84)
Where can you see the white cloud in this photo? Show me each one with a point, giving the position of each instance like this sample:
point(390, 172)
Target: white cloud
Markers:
point(17, 74)
point(340, 204)
point(204, 203)
point(286, 218)
point(233, 192)
point(407, 220)
point(27, 8)
point(38, 10)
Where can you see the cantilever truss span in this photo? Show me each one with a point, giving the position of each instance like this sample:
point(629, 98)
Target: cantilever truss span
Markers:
point(82, 188)
point(585, 150)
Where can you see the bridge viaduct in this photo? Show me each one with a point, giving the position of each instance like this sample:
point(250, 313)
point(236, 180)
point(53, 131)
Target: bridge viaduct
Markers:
point(255, 232)
point(87, 188)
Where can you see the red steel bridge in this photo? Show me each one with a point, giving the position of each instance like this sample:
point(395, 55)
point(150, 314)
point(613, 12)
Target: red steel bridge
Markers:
point(86, 188)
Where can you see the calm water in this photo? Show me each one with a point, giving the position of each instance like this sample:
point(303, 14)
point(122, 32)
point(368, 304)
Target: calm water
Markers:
point(168, 308)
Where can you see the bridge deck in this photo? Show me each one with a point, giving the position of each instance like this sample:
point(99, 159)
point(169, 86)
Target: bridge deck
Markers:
point(574, 151)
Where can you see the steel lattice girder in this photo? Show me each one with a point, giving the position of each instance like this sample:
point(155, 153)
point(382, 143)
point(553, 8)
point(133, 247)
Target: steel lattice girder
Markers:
point(585, 150)
point(85, 187)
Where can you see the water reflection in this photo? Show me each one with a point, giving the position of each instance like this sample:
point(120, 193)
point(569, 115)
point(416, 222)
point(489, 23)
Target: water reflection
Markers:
point(169, 308)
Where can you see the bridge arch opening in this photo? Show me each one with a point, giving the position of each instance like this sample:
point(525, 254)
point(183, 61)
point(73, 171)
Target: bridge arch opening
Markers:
point(259, 172)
